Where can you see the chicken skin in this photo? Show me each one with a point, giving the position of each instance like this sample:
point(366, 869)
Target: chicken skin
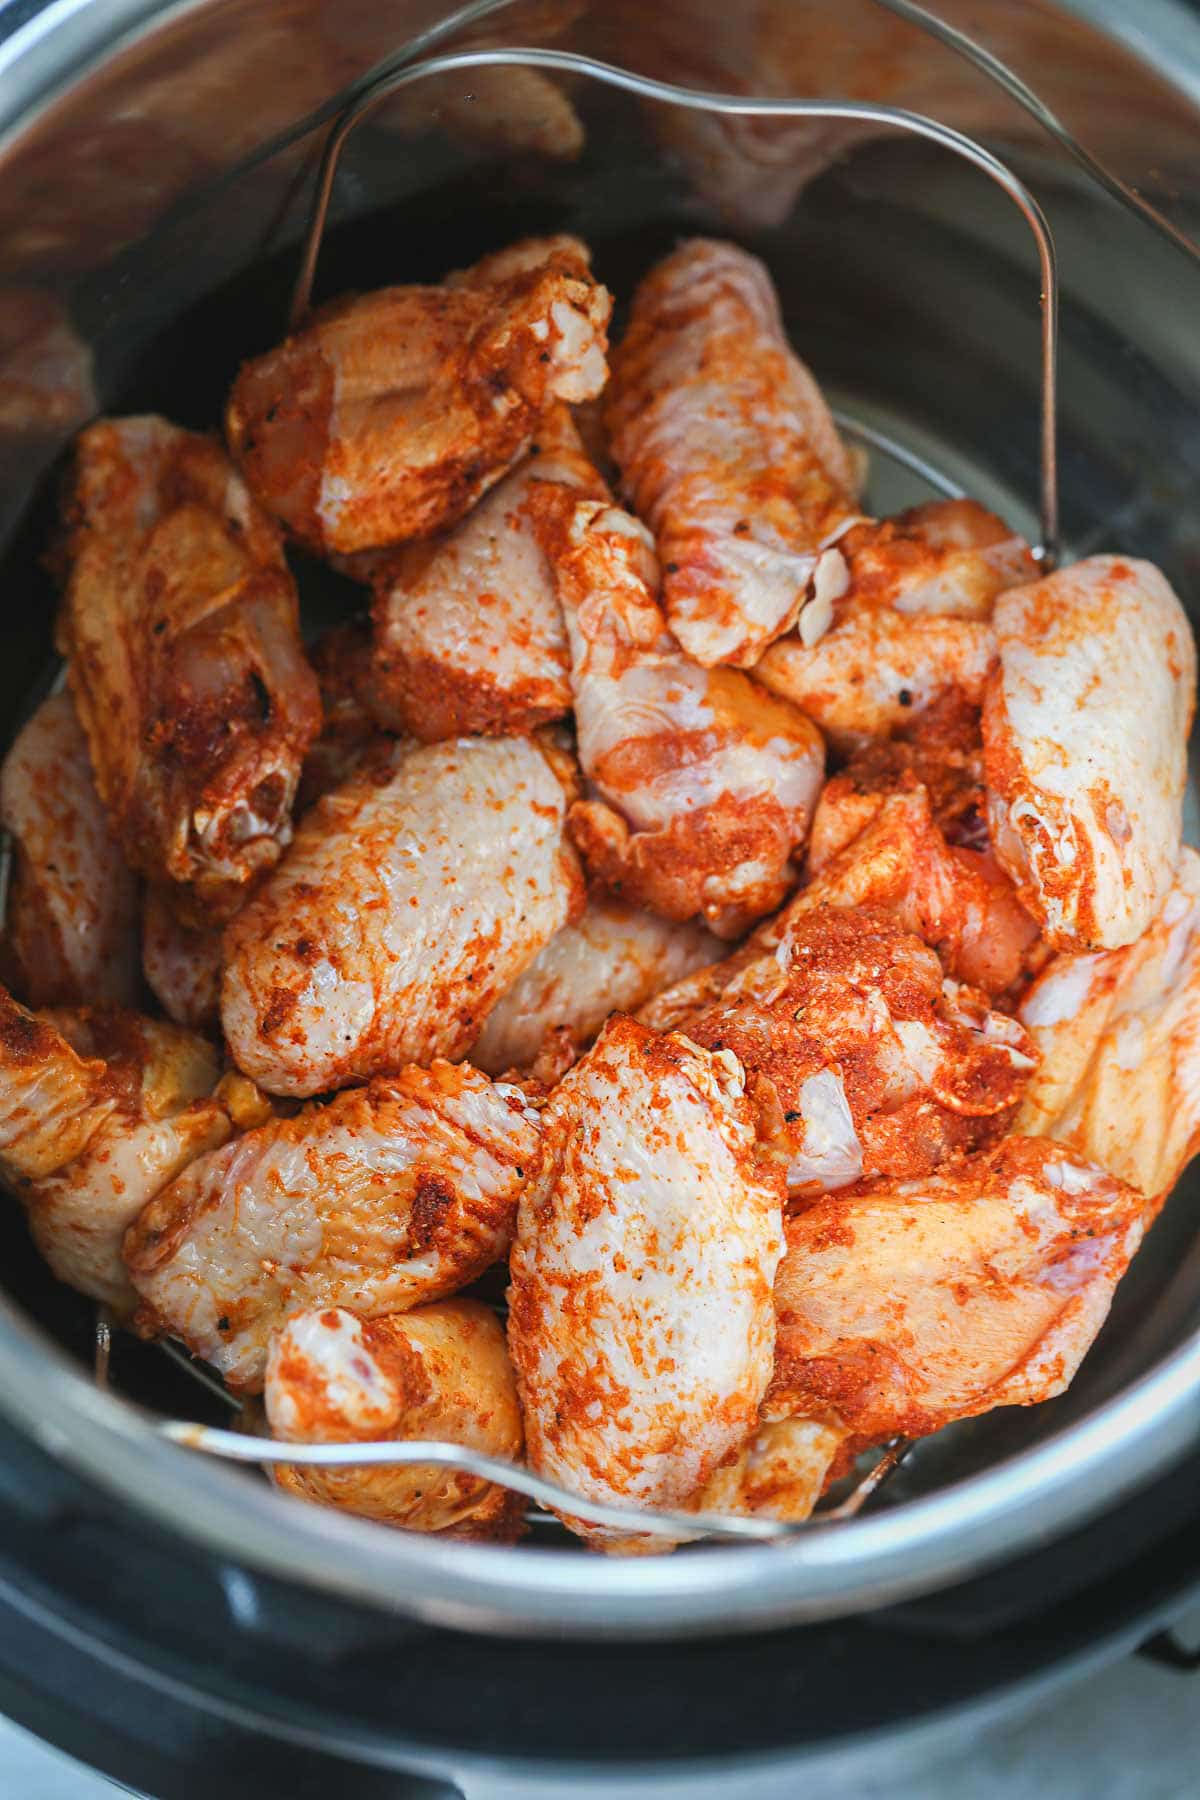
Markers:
point(181, 963)
point(1085, 733)
point(403, 911)
point(388, 414)
point(389, 1196)
point(728, 452)
point(906, 1305)
point(440, 1372)
point(71, 916)
point(343, 661)
point(1119, 1037)
point(861, 1058)
point(910, 625)
point(181, 626)
point(640, 1314)
point(703, 784)
point(612, 959)
point(101, 1109)
point(468, 629)
point(957, 901)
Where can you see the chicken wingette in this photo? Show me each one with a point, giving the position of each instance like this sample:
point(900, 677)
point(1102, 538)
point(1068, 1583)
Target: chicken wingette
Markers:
point(406, 907)
point(391, 1195)
point(70, 924)
point(640, 1314)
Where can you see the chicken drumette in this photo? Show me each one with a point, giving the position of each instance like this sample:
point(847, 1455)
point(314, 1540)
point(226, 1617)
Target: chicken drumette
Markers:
point(727, 450)
point(388, 414)
point(181, 625)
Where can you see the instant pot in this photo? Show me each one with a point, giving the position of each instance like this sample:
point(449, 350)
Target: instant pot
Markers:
point(167, 1618)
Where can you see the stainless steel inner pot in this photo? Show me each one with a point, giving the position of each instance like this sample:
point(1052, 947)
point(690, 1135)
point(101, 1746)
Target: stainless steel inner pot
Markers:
point(156, 164)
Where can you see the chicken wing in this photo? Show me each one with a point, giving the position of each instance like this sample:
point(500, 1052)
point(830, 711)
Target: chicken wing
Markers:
point(343, 661)
point(780, 1472)
point(727, 450)
point(181, 963)
point(391, 1195)
point(704, 784)
point(181, 626)
point(1085, 732)
point(910, 624)
point(405, 908)
point(440, 1372)
point(71, 915)
point(861, 1058)
point(468, 628)
point(907, 1305)
point(942, 751)
point(958, 901)
point(388, 414)
point(611, 960)
point(101, 1110)
point(1119, 1036)
point(640, 1314)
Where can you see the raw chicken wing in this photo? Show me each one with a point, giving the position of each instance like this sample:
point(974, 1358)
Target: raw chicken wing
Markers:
point(780, 1472)
point(403, 911)
point(181, 626)
point(181, 962)
point(113, 1106)
point(1119, 1036)
point(393, 1194)
point(910, 624)
point(727, 450)
point(861, 1058)
point(71, 914)
point(611, 960)
point(388, 414)
point(640, 1314)
point(704, 785)
point(957, 901)
point(906, 1305)
point(1085, 733)
point(440, 1372)
point(343, 660)
point(468, 628)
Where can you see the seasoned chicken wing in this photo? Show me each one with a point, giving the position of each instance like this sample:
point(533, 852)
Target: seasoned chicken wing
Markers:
point(403, 911)
point(906, 1305)
point(70, 922)
point(391, 1195)
point(958, 901)
point(181, 626)
point(727, 450)
point(343, 661)
point(910, 625)
point(388, 414)
point(101, 1110)
point(1085, 731)
point(612, 959)
point(1119, 1036)
point(780, 1472)
point(640, 1314)
point(181, 962)
point(862, 1059)
point(704, 785)
point(942, 751)
point(440, 1372)
point(469, 632)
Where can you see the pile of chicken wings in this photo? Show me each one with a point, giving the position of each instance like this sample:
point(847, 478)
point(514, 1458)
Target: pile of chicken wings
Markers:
point(764, 925)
